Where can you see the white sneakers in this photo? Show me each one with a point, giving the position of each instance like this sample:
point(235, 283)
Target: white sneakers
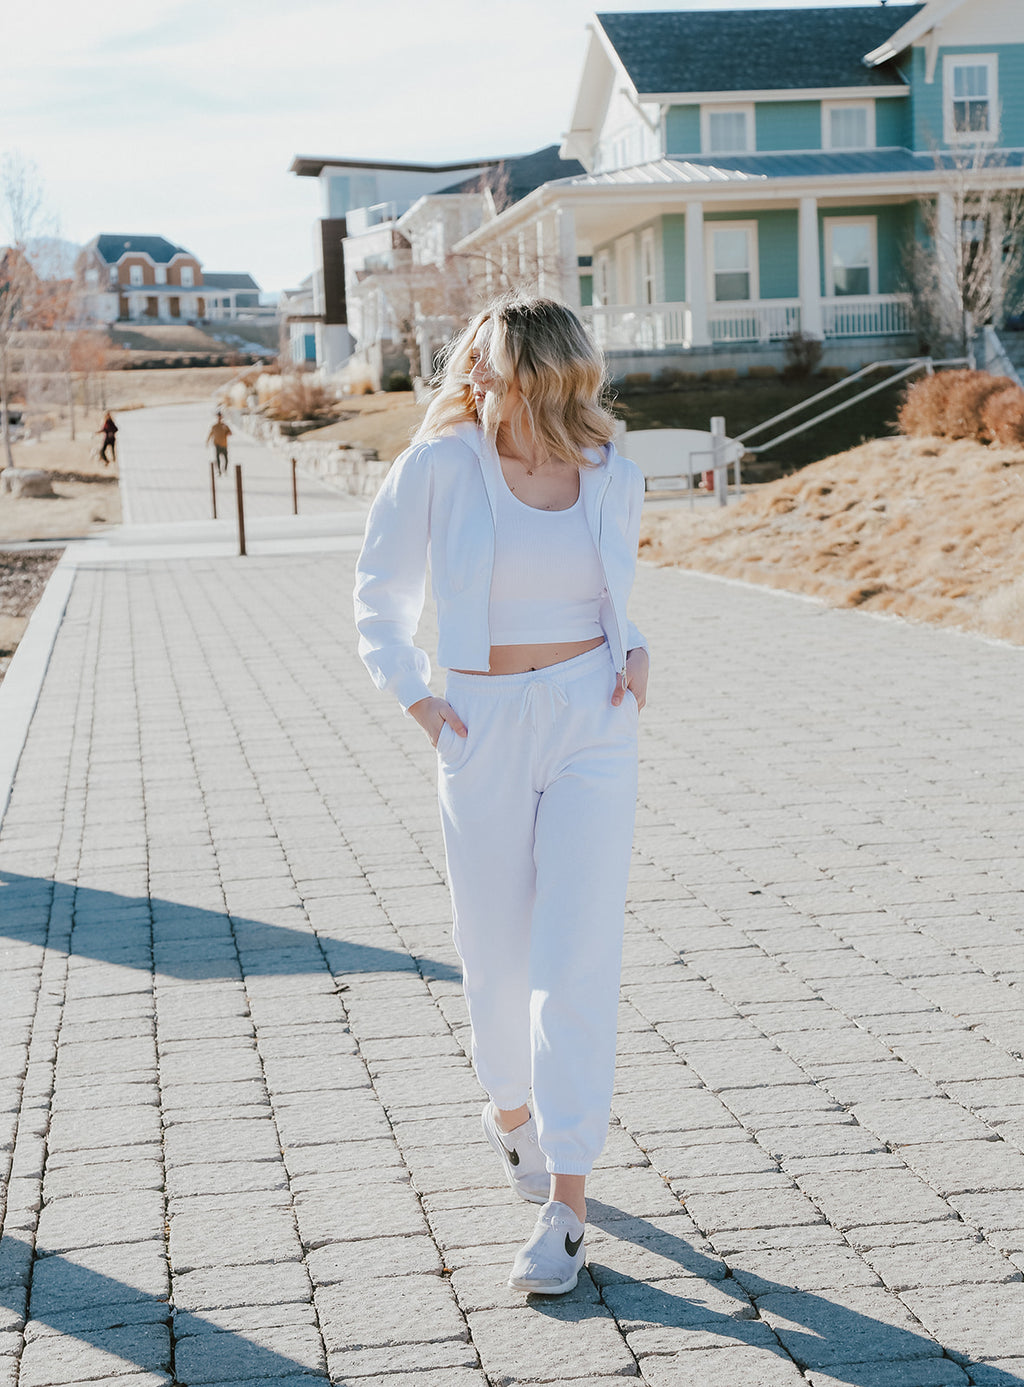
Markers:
point(521, 1157)
point(550, 1262)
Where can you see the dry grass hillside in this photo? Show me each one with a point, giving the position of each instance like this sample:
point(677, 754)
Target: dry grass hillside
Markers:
point(926, 528)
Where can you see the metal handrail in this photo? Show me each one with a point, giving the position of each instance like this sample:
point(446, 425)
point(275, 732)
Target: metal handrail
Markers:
point(916, 364)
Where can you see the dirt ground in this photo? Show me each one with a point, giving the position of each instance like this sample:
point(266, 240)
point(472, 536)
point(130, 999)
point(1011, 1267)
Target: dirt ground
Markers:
point(386, 422)
point(87, 497)
point(921, 528)
point(22, 579)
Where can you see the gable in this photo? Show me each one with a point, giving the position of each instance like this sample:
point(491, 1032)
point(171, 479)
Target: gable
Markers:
point(954, 23)
point(755, 50)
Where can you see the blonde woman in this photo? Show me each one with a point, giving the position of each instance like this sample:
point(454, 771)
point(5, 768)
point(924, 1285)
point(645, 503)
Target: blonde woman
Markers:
point(530, 521)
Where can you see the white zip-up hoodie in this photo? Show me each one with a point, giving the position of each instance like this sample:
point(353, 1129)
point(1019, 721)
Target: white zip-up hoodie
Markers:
point(438, 504)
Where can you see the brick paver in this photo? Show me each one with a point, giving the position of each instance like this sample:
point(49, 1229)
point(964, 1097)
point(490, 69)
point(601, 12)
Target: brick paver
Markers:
point(236, 1114)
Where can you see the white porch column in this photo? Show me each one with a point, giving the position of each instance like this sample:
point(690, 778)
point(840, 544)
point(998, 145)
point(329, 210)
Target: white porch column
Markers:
point(696, 275)
point(544, 256)
point(996, 235)
point(812, 320)
point(568, 262)
point(946, 250)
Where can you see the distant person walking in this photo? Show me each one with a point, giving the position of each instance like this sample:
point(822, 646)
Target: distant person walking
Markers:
point(108, 429)
point(218, 436)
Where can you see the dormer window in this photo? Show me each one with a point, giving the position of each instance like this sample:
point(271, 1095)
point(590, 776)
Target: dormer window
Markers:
point(848, 124)
point(134, 274)
point(727, 129)
point(187, 277)
point(970, 87)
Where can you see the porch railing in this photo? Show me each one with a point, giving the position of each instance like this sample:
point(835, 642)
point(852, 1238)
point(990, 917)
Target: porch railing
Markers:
point(649, 325)
point(875, 315)
point(654, 325)
point(766, 321)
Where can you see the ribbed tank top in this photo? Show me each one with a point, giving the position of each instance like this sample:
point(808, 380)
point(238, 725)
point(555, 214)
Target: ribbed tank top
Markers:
point(547, 583)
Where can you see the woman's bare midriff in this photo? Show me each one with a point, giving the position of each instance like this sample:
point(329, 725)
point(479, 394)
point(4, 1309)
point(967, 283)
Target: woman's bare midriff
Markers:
point(520, 659)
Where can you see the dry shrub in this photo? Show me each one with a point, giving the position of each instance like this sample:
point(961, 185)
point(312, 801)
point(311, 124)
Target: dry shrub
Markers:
point(300, 398)
point(1002, 417)
point(762, 372)
point(950, 404)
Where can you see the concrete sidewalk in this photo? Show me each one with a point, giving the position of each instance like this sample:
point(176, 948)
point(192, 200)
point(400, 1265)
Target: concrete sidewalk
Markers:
point(165, 472)
point(240, 1127)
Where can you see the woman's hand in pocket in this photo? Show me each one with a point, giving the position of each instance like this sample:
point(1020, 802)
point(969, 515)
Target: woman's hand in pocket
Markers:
point(637, 669)
point(433, 713)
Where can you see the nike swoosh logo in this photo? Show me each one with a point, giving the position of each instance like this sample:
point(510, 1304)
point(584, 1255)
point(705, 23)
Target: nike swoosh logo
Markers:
point(573, 1247)
point(513, 1155)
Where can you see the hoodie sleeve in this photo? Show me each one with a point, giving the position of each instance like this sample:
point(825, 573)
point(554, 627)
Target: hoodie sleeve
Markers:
point(391, 579)
point(635, 639)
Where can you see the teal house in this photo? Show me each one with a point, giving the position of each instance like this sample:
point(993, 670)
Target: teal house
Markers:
point(749, 174)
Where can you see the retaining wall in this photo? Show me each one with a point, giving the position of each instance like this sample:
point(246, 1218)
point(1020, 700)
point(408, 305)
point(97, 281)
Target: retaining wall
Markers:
point(355, 471)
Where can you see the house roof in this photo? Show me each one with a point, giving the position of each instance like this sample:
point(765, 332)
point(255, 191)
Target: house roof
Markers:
point(229, 281)
point(754, 50)
point(111, 248)
point(917, 23)
point(520, 174)
point(311, 165)
point(743, 168)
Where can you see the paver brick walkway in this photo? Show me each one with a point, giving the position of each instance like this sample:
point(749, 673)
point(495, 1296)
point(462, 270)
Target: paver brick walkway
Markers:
point(239, 1126)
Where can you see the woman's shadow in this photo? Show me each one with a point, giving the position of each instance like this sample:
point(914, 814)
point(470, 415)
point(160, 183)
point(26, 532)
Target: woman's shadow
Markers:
point(738, 1307)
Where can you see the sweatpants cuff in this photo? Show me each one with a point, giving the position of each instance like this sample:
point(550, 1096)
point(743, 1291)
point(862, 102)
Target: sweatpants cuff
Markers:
point(569, 1167)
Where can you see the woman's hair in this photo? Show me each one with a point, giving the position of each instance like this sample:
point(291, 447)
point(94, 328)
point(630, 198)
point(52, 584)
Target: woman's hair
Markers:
point(541, 346)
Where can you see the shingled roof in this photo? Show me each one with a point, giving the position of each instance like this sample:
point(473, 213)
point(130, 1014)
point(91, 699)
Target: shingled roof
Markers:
point(228, 280)
point(755, 50)
point(112, 247)
point(523, 173)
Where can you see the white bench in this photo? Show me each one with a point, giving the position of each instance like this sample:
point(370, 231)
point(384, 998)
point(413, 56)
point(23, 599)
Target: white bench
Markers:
point(671, 458)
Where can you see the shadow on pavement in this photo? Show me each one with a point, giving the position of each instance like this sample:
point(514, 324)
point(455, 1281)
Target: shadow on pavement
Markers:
point(133, 1325)
point(182, 941)
point(845, 1344)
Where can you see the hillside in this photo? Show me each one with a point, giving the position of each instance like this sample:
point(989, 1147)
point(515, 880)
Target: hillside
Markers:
point(921, 528)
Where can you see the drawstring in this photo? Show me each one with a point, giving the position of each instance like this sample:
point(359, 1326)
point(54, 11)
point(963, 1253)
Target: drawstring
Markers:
point(556, 696)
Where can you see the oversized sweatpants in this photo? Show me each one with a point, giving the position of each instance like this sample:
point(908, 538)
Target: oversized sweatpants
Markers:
point(537, 806)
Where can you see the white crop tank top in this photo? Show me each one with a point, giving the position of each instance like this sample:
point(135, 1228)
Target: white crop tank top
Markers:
point(547, 584)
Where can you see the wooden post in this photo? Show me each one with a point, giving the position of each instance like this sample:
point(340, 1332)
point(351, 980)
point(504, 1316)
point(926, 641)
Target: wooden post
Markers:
point(213, 486)
point(295, 491)
point(241, 509)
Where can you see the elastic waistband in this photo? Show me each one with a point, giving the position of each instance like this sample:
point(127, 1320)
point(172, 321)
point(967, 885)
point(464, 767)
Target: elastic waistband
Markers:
point(564, 673)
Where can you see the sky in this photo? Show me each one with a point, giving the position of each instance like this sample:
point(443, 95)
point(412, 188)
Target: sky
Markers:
point(180, 118)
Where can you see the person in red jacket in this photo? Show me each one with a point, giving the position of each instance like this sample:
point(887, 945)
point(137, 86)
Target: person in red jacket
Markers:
point(108, 430)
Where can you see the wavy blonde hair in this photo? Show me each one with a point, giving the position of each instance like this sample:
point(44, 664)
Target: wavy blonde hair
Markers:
point(541, 346)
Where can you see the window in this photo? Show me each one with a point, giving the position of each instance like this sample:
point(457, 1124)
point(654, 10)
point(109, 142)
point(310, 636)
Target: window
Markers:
point(851, 256)
point(848, 125)
point(726, 129)
point(732, 261)
point(187, 276)
point(92, 278)
point(135, 274)
point(648, 287)
point(161, 274)
point(970, 85)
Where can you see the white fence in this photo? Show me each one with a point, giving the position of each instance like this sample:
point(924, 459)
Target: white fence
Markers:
point(876, 315)
point(764, 321)
point(658, 325)
point(647, 326)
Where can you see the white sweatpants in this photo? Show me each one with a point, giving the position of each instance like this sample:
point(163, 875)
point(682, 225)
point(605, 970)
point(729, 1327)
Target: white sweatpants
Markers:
point(537, 806)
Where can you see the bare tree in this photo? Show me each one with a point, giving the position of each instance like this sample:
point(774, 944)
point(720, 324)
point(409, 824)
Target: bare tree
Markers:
point(968, 267)
point(20, 213)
